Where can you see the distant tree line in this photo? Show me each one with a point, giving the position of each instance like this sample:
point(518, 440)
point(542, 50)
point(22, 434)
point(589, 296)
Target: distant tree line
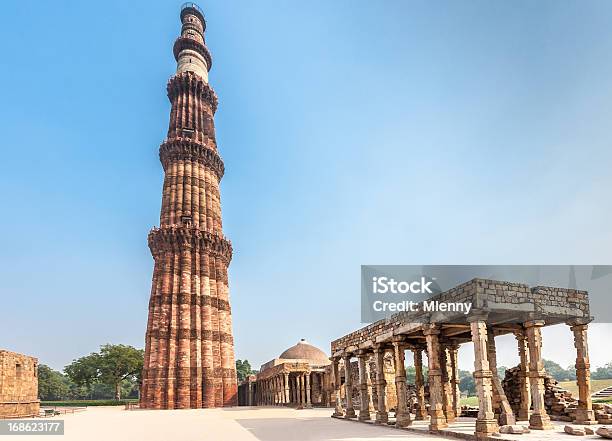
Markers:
point(467, 384)
point(112, 373)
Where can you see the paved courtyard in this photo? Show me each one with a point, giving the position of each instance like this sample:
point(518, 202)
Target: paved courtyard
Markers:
point(242, 424)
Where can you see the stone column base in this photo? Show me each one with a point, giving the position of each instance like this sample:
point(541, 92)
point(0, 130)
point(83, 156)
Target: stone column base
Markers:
point(364, 415)
point(403, 420)
point(421, 416)
point(522, 415)
point(381, 418)
point(540, 422)
point(506, 419)
point(584, 417)
point(486, 427)
point(437, 420)
point(350, 413)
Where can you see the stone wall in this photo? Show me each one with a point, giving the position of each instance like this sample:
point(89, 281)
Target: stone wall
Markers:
point(18, 385)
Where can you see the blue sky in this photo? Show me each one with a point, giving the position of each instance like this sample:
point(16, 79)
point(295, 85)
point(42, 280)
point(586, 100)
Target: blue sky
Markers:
point(353, 132)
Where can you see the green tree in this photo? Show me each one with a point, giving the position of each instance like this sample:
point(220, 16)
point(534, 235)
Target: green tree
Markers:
point(411, 374)
point(243, 369)
point(52, 385)
point(118, 363)
point(83, 372)
point(112, 366)
point(467, 385)
point(501, 372)
point(463, 374)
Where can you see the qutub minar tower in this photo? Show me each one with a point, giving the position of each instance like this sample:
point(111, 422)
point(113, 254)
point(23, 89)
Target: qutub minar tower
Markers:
point(189, 351)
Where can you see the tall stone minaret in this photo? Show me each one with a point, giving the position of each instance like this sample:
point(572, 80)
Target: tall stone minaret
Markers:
point(189, 347)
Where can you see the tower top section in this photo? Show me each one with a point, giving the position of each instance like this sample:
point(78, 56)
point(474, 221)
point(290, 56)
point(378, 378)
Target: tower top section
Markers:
point(191, 8)
point(190, 49)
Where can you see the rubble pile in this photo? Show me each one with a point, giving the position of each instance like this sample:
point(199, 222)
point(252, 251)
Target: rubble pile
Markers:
point(560, 404)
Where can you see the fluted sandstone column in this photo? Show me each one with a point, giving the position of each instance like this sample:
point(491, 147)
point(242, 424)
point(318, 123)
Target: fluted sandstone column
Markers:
point(486, 424)
point(348, 387)
point(419, 383)
point(301, 395)
point(501, 406)
point(539, 419)
point(525, 405)
point(437, 418)
point(370, 386)
point(454, 365)
point(584, 412)
point(402, 415)
point(447, 389)
point(286, 387)
point(189, 348)
point(307, 387)
point(364, 400)
point(382, 417)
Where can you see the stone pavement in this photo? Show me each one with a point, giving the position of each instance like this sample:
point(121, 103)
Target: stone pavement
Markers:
point(244, 424)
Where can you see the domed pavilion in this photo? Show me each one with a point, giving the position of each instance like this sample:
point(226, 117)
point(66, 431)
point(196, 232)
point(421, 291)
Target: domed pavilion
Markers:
point(299, 377)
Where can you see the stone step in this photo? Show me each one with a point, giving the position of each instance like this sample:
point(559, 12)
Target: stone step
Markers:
point(604, 393)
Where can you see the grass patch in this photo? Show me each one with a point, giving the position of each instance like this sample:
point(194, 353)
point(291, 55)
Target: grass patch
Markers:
point(469, 401)
point(596, 385)
point(84, 403)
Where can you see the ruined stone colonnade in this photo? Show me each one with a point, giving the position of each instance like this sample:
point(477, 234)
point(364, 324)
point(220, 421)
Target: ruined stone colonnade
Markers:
point(495, 313)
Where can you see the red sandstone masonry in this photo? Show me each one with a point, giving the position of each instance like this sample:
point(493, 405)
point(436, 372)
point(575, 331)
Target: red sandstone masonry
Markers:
point(18, 385)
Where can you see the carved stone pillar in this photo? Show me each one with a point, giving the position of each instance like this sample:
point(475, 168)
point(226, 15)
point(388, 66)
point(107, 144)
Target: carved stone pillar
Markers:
point(370, 385)
point(364, 408)
point(453, 351)
point(501, 406)
point(277, 395)
point(486, 424)
point(286, 386)
point(438, 420)
point(348, 387)
point(281, 382)
point(301, 391)
point(382, 417)
point(419, 382)
point(402, 415)
point(584, 412)
point(338, 411)
point(447, 388)
point(525, 405)
point(307, 387)
point(539, 419)
point(265, 393)
point(275, 390)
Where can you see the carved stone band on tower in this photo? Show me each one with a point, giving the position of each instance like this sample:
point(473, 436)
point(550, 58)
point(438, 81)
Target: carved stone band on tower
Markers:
point(189, 347)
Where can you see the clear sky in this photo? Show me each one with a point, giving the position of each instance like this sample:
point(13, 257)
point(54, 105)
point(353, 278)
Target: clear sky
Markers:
point(353, 132)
